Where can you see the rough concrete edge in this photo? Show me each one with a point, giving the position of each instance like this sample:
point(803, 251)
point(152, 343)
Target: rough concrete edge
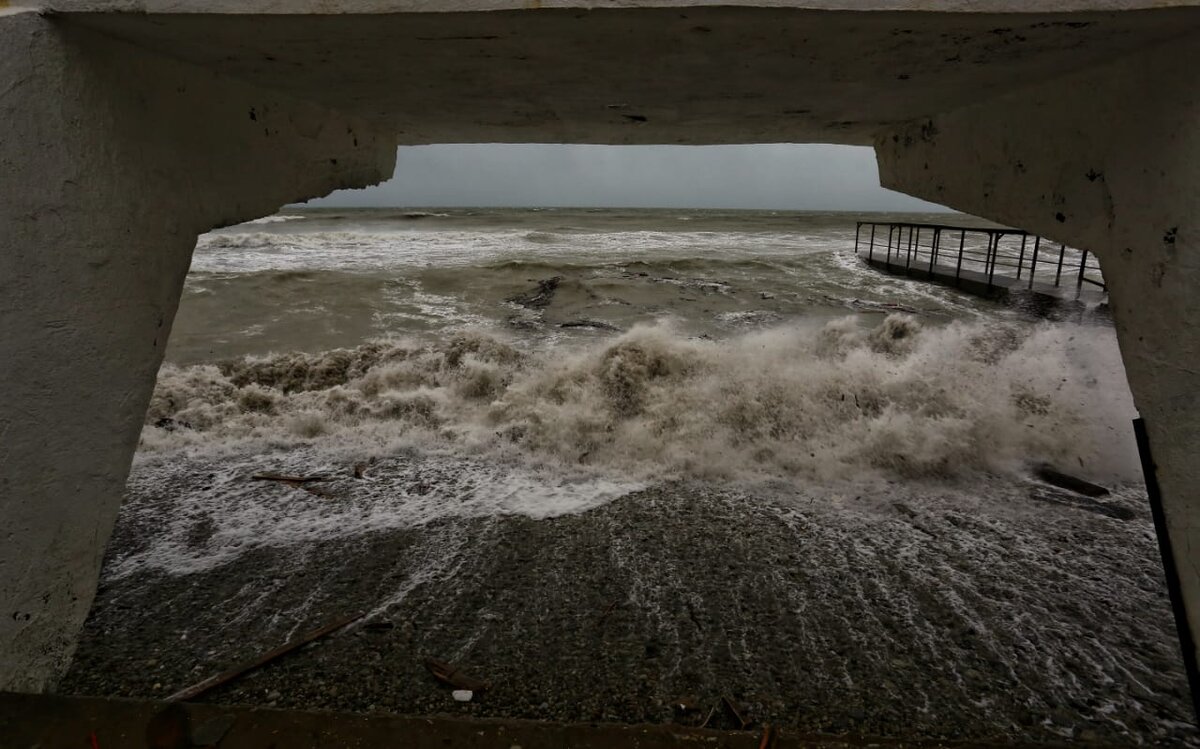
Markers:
point(324, 7)
point(361, 178)
point(892, 181)
point(49, 720)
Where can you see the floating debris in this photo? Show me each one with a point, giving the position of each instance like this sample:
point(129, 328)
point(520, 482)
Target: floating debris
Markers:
point(540, 297)
point(1050, 475)
point(594, 324)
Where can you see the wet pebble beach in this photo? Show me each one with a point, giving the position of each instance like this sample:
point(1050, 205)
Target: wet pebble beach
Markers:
point(636, 466)
point(911, 611)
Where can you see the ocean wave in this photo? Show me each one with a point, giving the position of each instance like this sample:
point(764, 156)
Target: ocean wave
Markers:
point(836, 402)
point(277, 219)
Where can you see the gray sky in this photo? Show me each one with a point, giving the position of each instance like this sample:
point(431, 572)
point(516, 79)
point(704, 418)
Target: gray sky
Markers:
point(778, 176)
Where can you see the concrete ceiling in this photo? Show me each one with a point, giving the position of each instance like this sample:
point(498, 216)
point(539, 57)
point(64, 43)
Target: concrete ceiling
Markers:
point(649, 75)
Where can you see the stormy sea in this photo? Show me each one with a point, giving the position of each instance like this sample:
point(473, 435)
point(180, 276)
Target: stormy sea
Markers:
point(618, 465)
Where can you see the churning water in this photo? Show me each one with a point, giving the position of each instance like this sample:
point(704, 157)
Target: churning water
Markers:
point(648, 344)
point(779, 473)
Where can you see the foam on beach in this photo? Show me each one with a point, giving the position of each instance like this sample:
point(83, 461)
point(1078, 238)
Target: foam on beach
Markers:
point(827, 403)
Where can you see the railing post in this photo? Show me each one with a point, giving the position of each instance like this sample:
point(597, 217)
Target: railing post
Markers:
point(908, 254)
point(993, 250)
point(891, 230)
point(1082, 268)
point(1037, 242)
point(962, 241)
point(1062, 250)
point(871, 247)
point(933, 251)
point(1021, 258)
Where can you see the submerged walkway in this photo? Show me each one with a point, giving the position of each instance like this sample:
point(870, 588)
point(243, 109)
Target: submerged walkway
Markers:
point(991, 262)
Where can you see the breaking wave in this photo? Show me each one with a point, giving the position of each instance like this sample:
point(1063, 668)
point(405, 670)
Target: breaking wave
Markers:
point(838, 402)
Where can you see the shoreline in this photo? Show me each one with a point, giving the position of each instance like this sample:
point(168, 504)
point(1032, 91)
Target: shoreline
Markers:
point(926, 613)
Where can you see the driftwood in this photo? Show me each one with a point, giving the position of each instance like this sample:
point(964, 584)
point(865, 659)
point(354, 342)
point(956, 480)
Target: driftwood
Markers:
point(1047, 473)
point(452, 677)
point(288, 479)
point(247, 666)
point(297, 482)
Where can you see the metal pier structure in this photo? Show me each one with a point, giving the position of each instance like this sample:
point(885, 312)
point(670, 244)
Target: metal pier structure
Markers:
point(990, 262)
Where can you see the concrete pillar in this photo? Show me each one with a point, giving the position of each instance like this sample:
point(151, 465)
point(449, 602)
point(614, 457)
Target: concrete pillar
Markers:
point(1107, 160)
point(112, 160)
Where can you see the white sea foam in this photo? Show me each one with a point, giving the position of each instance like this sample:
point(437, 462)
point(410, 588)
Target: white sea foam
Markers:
point(276, 219)
point(255, 248)
point(241, 513)
point(828, 403)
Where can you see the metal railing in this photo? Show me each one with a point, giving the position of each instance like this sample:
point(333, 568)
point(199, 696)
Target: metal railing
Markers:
point(995, 257)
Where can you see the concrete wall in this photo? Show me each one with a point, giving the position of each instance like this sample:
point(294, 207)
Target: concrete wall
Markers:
point(112, 162)
point(1107, 159)
point(582, 77)
point(117, 154)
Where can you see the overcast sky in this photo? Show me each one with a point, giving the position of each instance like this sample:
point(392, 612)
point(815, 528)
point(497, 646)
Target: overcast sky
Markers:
point(780, 177)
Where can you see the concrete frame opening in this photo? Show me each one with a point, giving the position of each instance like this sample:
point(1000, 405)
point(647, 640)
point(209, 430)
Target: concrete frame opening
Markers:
point(163, 126)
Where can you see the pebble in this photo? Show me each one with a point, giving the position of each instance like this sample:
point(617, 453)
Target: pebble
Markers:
point(811, 654)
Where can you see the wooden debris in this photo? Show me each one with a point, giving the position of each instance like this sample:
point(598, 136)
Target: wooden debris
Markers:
point(247, 666)
point(452, 677)
point(284, 479)
point(381, 626)
point(1047, 473)
point(297, 482)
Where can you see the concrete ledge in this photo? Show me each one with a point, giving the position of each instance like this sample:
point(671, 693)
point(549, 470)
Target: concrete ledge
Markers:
point(323, 7)
point(53, 721)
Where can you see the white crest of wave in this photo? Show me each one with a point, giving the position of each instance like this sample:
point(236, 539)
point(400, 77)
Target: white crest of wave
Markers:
point(839, 402)
point(276, 219)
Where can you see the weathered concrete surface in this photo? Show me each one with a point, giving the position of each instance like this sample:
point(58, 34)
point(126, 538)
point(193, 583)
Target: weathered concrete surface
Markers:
point(1107, 159)
point(122, 145)
point(112, 162)
point(649, 75)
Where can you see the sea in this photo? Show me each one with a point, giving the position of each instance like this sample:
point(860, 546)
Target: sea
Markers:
point(637, 344)
point(343, 385)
